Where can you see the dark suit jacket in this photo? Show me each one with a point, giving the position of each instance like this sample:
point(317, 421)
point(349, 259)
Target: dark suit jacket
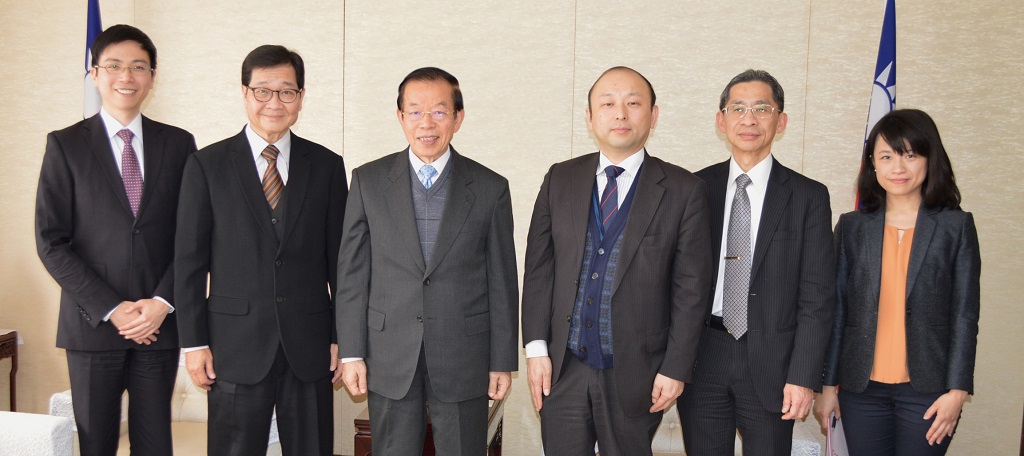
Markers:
point(789, 311)
point(263, 293)
point(943, 300)
point(90, 243)
point(461, 307)
point(661, 282)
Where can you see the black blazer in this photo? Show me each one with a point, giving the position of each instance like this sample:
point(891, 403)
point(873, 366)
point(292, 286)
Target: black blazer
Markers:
point(789, 311)
point(943, 300)
point(262, 293)
point(661, 282)
point(88, 240)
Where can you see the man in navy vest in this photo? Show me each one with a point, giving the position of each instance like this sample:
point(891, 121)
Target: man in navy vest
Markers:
point(618, 268)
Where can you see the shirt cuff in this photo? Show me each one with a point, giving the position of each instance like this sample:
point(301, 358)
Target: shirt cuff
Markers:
point(192, 349)
point(349, 360)
point(537, 348)
point(107, 316)
point(169, 306)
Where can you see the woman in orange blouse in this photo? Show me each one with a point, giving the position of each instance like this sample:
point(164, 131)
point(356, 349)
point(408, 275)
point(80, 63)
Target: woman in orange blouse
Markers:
point(900, 362)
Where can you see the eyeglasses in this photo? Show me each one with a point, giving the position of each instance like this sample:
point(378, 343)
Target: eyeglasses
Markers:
point(117, 68)
point(263, 94)
point(761, 111)
point(417, 116)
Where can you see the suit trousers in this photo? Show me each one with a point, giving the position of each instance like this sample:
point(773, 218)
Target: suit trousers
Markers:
point(886, 419)
point(100, 378)
point(722, 399)
point(240, 415)
point(584, 408)
point(400, 425)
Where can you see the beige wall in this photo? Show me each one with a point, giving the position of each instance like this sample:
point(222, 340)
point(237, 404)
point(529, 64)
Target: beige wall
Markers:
point(525, 68)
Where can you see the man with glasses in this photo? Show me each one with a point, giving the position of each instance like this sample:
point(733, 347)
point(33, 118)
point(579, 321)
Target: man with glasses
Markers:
point(428, 296)
point(767, 325)
point(261, 215)
point(105, 214)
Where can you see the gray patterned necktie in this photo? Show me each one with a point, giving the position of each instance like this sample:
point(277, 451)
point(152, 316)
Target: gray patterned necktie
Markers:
point(737, 262)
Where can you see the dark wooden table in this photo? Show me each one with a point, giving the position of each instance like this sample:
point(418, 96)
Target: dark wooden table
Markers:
point(9, 349)
point(495, 415)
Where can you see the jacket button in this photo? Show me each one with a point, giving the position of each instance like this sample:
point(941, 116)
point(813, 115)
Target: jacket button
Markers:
point(419, 318)
point(583, 350)
point(590, 324)
point(273, 221)
point(278, 263)
point(568, 318)
point(136, 231)
point(426, 281)
point(279, 299)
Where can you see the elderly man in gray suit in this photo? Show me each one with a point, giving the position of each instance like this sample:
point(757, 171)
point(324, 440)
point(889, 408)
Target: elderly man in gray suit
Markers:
point(427, 304)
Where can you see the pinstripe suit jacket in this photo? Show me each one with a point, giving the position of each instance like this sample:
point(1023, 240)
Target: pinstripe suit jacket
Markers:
point(661, 283)
point(943, 300)
point(792, 283)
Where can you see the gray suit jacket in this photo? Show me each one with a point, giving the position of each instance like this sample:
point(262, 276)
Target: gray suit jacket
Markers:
point(943, 300)
point(789, 311)
point(461, 307)
point(661, 282)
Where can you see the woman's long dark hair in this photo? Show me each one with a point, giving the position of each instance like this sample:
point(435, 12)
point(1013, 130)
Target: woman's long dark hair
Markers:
point(909, 130)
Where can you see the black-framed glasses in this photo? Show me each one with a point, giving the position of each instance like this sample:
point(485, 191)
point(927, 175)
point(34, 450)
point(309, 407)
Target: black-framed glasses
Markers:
point(117, 68)
point(263, 94)
point(761, 111)
point(417, 116)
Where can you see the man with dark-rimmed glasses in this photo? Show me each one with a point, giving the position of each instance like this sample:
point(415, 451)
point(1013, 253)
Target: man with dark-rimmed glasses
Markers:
point(105, 214)
point(261, 215)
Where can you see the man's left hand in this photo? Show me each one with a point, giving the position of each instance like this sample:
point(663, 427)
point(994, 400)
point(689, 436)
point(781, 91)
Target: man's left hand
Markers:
point(665, 391)
point(151, 315)
point(335, 365)
point(499, 385)
point(796, 402)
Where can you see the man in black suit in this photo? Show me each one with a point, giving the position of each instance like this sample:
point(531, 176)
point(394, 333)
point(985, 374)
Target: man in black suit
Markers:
point(261, 213)
point(427, 306)
point(768, 323)
point(105, 210)
point(618, 267)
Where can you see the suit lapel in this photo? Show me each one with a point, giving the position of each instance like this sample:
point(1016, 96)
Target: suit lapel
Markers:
point(646, 199)
point(923, 233)
point(99, 144)
point(153, 151)
point(717, 183)
point(460, 203)
point(871, 239)
point(776, 198)
point(578, 201)
point(249, 183)
point(399, 199)
point(298, 180)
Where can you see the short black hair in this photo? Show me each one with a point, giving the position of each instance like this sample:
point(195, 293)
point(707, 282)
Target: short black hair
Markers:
point(272, 55)
point(650, 87)
point(118, 34)
point(755, 75)
point(432, 74)
point(914, 128)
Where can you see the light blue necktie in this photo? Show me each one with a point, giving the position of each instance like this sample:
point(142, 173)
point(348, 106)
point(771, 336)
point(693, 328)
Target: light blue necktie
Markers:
point(426, 175)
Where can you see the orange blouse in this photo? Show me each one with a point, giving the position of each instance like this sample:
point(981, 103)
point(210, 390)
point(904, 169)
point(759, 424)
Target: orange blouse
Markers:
point(891, 338)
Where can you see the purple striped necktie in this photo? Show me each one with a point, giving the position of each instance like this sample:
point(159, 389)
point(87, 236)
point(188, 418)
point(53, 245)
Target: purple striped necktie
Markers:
point(131, 174)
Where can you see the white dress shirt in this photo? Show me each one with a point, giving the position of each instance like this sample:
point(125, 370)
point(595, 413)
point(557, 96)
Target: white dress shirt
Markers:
point(755, 193)
point(284, 148)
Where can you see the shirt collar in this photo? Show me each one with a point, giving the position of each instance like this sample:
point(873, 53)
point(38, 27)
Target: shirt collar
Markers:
point(113, 126)
point(284, 145)
point(758, 174)
point(631, 165)
point(438, 164)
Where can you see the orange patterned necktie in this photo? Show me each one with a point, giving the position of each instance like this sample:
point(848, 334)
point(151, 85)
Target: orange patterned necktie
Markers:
point(272, 183)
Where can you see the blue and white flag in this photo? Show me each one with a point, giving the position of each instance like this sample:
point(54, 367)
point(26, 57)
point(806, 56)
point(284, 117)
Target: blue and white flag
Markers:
point(93, 29)
point(883, 89)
